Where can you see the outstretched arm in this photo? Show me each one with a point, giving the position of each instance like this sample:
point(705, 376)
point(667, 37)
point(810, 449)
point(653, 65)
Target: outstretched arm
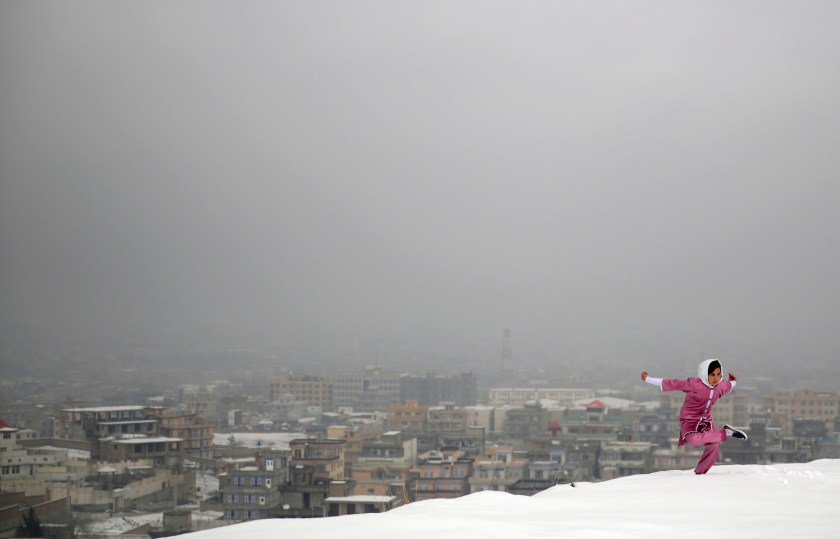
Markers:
point(651, 380)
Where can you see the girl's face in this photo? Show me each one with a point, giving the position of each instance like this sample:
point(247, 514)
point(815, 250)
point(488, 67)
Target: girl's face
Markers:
point(714, 377)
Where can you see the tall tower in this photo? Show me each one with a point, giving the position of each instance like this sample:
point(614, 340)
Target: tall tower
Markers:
point(507, 355)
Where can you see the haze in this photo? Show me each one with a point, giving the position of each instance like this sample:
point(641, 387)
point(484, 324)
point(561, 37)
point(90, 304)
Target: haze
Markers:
point(632, 183)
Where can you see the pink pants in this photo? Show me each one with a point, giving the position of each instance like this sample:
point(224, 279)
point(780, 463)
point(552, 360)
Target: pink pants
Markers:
point(710, 438)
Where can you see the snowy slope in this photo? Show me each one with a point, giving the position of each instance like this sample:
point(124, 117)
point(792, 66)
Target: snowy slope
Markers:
point(784, 500)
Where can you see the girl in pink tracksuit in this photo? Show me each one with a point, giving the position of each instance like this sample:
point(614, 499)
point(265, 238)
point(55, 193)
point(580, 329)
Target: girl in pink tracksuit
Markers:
point(697, 427)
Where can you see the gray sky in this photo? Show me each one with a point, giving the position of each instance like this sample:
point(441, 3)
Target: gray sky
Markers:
point(622, 180)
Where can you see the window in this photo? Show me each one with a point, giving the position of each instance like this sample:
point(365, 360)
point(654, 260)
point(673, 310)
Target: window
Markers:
point(232, 514)
point(238, 480)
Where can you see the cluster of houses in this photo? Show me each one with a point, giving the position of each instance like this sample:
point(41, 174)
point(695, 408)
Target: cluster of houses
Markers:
point(368, 442)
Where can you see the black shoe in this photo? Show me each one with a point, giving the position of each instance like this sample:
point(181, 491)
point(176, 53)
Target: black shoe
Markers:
point(736, 433)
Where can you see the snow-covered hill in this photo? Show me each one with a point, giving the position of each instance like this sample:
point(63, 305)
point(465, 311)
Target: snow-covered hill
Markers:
point(737, 502)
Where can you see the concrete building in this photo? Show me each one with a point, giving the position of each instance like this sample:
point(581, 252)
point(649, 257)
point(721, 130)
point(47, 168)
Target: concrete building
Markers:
point(325, 456)
point(546, 458)
point(804, 404)
point(526, 422)
point(305, 493)
point(594, 422)
point(107, 427)
point(498, 469)
point(312, 389)
point(161, 450)
point(386, 465)
point(433, 389)
point(499, 396)
point(447, 418)
point(481, 416)
point(196, 434)
point(19, 511)
point(366, 391)
point(408, 416)
point(443, 473)
point(581, 459)
point(472, 442)
point(16, 462)
point(620, 459)
point(94, 423)
point(253, 492)
point(676, 458)
point(359, 504)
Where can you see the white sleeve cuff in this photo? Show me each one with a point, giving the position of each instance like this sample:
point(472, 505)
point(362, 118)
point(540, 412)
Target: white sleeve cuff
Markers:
point(654, 381)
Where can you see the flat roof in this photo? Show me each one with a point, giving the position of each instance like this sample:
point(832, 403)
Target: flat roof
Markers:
point(106, 409)
point(361, 499)
point(129, 422)
point(148, 440)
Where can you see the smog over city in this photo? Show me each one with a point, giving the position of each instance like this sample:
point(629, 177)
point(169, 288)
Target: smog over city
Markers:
point(283, 260)
point(619, 185)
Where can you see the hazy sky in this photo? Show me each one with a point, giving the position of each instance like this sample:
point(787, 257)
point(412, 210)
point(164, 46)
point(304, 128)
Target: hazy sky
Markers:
point(625, 180)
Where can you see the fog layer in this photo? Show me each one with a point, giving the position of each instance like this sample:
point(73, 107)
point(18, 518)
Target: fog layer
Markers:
point(629, 181)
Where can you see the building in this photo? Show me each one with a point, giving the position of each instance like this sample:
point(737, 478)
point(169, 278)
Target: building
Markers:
point(408, 416)
point(526, 422)
point(161, 450)
point(472, 442)
point(325, 456)
point(498, 469)
point(447, 419)
point(359, 504)
point(804, 404)
point(17, 462)
point(676, 458)
point(499, 396)
point(443, 473)
point(387, 465)
point(432, 389)
point(196, 434)
point(593, 422)
point(546, 458)
point(305, 494)
point(92, 424)
point(481, 416)
point(581, 459)
point(253, 492)
point(37, 516)
point(311, 389)
point(620, 459)
point(367, 391)
point(733, 409)
point(657, 426)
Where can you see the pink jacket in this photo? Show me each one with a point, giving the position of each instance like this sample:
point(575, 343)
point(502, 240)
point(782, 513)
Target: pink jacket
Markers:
point(699, 398)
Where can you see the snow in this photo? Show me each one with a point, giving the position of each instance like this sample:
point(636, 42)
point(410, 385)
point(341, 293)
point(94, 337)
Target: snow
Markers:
point(206, 485)
point(264, 440)
point(118, 524)
point(76, 454)
point(783, 500)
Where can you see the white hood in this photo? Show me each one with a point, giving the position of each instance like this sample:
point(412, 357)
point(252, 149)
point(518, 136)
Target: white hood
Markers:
point(703, 371)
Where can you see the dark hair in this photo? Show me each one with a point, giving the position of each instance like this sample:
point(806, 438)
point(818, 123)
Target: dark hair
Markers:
point(713, 365)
